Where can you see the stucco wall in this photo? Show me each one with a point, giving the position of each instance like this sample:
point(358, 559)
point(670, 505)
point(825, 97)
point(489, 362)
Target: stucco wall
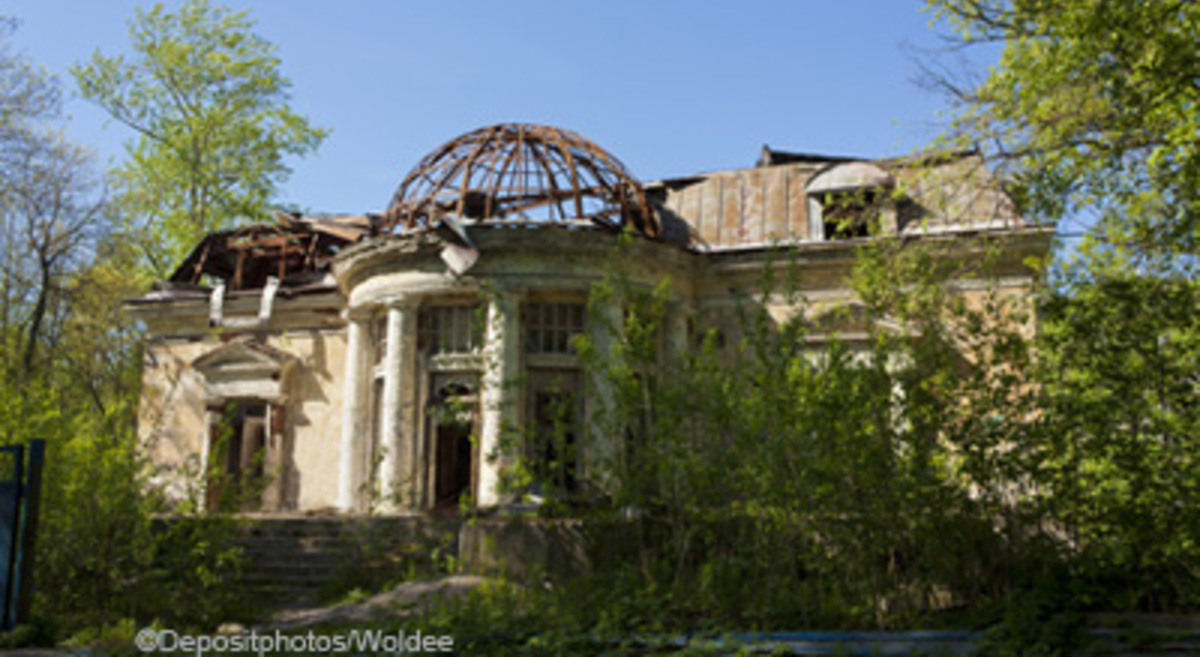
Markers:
point(172, 420)
point(314, 390)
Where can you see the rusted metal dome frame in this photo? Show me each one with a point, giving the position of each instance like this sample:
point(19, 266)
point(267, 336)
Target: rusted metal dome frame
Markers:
point(520, 172)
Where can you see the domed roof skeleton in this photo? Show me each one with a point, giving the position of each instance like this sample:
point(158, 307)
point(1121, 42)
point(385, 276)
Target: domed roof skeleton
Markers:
point(524, 172)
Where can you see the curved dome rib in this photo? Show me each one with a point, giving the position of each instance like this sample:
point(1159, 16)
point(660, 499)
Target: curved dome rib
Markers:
point(520, 172)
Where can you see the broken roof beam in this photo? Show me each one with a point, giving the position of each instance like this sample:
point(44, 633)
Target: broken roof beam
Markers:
point(245, 255)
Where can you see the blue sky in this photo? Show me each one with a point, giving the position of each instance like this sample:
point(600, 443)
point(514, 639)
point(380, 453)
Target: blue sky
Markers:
point(671, 88)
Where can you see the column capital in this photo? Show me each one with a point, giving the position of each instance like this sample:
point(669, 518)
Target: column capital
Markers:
point(358, 314)
point(401, 302)
point(504, 289)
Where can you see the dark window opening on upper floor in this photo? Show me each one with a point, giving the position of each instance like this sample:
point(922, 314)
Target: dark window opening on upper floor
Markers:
point(550, 327)
point(450, 329)
point(850, 214)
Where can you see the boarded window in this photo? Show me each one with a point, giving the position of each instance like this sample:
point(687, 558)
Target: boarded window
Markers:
point(549, 327)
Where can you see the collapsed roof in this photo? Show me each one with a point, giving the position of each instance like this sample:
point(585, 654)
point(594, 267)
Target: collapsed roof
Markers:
point(520, 173)
point(295, 249)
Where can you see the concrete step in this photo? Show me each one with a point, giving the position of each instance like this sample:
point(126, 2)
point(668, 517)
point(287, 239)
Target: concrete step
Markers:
point(295, 560)
point(283, 552)
point(291, 570)
point(313, 542)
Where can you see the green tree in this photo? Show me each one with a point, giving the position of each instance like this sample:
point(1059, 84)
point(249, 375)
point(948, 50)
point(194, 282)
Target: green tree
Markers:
point(28, 96)
point(209, 105)
point(1093, 106)
point(70, 368)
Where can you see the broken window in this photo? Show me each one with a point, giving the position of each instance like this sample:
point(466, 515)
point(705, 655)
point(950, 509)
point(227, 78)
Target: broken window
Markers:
point(552, 448)
point(849, 200)
point(850, 213)
point(379, 335)
point(550, 327)
point(450, 329)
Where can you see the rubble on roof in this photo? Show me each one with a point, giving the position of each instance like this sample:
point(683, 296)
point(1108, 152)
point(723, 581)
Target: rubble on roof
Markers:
point(295, 249)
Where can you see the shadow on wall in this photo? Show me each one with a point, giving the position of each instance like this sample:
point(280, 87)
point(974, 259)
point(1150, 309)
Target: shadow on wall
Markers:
point(306, 388)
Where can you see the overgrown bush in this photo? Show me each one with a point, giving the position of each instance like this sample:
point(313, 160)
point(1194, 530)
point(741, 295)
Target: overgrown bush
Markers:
point(105, 553)
point(962, 454)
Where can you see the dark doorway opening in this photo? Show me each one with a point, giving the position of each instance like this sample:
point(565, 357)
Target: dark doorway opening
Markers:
point(237, 450)
point(452, 414)
point(453, 463)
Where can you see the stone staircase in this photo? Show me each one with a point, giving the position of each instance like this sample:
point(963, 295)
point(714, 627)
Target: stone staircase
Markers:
point(292, 562)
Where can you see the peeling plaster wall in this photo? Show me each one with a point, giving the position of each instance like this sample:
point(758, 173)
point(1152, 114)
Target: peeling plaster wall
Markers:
point(314, 409)
point(172, 417)
point(306, 331)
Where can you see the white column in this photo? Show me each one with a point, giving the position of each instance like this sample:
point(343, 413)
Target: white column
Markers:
point(353, 414)
point(396, 424)
point(408, 461)
point(501, 348)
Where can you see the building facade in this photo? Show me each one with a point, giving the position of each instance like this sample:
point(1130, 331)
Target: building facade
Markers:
point(376, 362)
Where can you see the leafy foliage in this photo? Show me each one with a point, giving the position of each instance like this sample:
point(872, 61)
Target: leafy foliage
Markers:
point(959, 456)
point(1093, 104)
point(70, 374)
point(208, 102)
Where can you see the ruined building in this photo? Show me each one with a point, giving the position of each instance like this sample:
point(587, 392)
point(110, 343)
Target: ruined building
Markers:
point(360, 358)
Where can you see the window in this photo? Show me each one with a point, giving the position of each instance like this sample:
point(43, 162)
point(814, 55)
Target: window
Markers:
point(551, 450)
point(549, 327)
point(450, 329)
point(452, 410)
point(849, 200)
point(379, 334)
point(849, 214)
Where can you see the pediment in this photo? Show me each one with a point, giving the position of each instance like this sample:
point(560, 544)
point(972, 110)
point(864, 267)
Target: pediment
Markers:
point(242, 356)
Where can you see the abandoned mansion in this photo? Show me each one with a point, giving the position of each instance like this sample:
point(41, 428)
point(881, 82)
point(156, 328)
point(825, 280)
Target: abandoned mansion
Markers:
point(378, 360)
